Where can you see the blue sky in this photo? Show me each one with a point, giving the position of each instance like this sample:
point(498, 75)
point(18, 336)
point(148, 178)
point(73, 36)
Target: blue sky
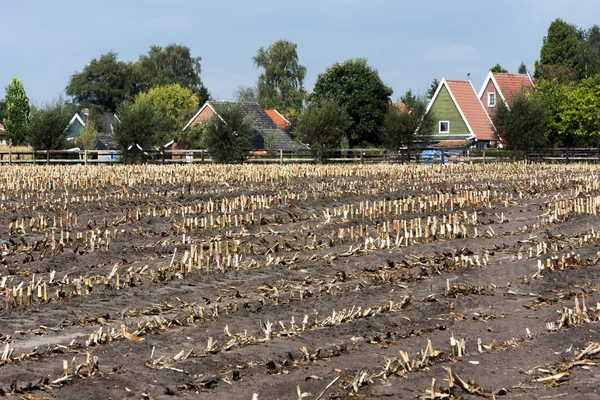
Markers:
point(409, 42)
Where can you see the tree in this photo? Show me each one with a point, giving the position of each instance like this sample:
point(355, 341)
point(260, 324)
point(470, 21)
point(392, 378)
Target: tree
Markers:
point(522, 68)
point(432, 89)
point(498, 68)
point(560, 52)
point(322, 125)
point(523, 125)
point(409, 99)
point(553, 96)
point(246, 94)
point(170, 65)
point(48, 127)
point(88, 135)
point(280, 85)
point(589, 55)
point(139, 124)
point(16, 120)
point(409, 127)
point(175, 103)
point(579, 114)
point(228, 135)
point(357, 88)
point(2, 110)
point(105, 82)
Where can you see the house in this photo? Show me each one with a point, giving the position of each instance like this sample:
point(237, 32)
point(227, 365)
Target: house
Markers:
point(2, 135)
point(279, 119)
point(460, 115)
point(503, 86)
point(105, 137)
point(268, 135)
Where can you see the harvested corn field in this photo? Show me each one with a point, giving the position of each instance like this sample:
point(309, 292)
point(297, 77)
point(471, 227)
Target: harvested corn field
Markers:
point(327, 282)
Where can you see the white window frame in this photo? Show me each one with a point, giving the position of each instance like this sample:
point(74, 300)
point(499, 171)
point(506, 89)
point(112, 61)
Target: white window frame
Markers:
point(440, 126)
point(490, 96)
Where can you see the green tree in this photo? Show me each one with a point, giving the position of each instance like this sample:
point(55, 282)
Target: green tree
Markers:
point(522, 126)
point(560, 52)
point(589, 55)
point(88, 135)
point(228, 136)
point(175, 103)
point(553, 96)
point(579, 114)
point(522, 68)
point(140, 124)
point(170, 65)
point(358, 89)
point(432, 89)
point(281, 84)
point(408, 128)
point(48, 127)
point(16, 120)
point(498, 69)
point(409, 99)
point(322, 125)
point(246, 94)
point(105, 82)
point(2, 110)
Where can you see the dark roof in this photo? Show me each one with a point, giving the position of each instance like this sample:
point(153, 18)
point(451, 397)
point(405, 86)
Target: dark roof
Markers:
point(267, 133)
point(105, 142)
point(108, 122)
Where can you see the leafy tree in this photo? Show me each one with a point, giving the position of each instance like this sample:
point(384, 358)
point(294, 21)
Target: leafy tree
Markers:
point(579, 114)
point(88, 135)
point(322, 125)
point(432, 89)
point(228, 136)
point(16, 120)
point(280, 86)
point(589, 55)
point(410, 127)
point(522, 68)
point(553, 96)
point(170, 65)
point(105, 82)
point(409, 99)
point(175, 103)
point(357, 88)
point(523, 125)
point(2, 110)
point(139, 124)
point(246, 94)
point(498, 69)
point(48, 127)
point(560, 52)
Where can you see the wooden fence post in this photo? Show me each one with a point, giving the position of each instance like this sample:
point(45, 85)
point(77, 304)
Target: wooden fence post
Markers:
point(361, 156)
point(280, 156)
point(85, 157)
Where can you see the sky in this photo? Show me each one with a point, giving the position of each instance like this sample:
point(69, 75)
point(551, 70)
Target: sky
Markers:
point(410, 43)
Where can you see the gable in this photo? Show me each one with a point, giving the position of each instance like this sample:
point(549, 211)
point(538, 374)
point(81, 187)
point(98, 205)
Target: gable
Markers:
point(74, 128)
point(445, 109)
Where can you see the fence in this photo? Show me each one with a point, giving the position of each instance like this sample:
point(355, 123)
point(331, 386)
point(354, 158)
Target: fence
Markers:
point(356, 156)
point(565, 155)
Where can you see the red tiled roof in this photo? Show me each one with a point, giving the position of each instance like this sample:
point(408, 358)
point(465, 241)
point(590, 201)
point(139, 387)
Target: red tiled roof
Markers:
point(278, 119)
point(474, 112)
point(399, 106)
point(454, 143)
point(511, 84)
point(2, 131)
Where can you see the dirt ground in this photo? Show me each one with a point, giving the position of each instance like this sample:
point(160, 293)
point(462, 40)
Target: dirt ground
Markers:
point(288, 282)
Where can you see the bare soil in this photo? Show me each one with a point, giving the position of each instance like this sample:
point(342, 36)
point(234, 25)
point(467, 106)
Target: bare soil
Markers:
point(320, 290)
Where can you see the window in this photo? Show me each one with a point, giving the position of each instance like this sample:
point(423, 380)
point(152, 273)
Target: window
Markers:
point(491, 99)
point(444, 126)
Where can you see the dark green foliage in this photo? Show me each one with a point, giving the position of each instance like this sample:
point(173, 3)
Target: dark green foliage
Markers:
point(3, 109)
point(522, 68)
point(432, 88)
point(498, 69)
point(140, 124)
point(409, 99)
point(560, 52)
point(523, 125)
point(48, 126)
point(280, 86)
point(170, 65)
point(589, 55)
point(16, 119)
point(322, 125)
point(105, 82)
point(409, 128)
point(358, 89)
point(229, 136)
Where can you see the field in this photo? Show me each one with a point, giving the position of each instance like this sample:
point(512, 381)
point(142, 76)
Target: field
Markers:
point(289, 282)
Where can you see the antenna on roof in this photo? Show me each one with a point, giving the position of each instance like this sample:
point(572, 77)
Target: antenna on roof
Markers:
point(468, 76)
